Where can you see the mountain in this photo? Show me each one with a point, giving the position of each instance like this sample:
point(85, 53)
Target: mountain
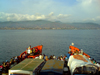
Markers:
point(44, 24)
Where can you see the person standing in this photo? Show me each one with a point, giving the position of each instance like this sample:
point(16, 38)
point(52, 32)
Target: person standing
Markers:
point(68, 55)
point(29, 49)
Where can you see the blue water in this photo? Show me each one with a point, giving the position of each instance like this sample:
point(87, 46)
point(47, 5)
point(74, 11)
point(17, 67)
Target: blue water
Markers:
point(55, 42)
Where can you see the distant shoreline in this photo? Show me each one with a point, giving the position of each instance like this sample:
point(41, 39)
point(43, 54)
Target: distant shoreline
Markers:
point(20, 28)
point(46, 25)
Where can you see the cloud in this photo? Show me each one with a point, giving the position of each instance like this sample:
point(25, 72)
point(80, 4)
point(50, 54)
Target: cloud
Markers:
point(53, 10)
point(22, 17)
point(51, 14)
point(63, 15)
point(95, 19)
point(89, 20)
point(19, 17)
point(98, 17)
point(89, 6)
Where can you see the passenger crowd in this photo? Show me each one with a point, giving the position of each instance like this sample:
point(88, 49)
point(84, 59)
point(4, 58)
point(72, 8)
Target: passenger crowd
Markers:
point(5, 66)
point(45, 57)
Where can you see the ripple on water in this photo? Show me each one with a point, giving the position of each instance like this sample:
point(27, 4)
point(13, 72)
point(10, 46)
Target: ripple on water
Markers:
point(14, 42)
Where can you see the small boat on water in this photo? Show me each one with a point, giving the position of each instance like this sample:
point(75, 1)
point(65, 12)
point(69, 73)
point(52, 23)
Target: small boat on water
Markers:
point(32, 63)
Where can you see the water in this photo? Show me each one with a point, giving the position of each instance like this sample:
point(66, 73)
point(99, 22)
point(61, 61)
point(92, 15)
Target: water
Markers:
point(55, 42)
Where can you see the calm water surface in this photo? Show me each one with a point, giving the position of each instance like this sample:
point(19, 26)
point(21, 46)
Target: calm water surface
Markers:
point(55, 42)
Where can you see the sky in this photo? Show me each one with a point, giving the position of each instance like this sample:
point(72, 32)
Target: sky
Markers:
point(68, 11)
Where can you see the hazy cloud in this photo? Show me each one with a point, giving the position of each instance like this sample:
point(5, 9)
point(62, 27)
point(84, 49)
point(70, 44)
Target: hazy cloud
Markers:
point(90, 6)
point(95, 19)
point(89, 20)
point(51, 14)
point(63, 16)
point(21, 17)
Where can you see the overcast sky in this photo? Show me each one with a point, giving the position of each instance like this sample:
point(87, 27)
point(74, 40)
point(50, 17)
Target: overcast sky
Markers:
point(53, 10)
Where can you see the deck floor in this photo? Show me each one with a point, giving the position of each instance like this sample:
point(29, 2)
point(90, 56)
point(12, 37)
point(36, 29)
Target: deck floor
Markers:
point(68, 71)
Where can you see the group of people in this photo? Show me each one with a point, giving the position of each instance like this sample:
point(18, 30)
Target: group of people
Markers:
point(29, 50)
point(6, 65)
point(45, 57)
point(32, 51)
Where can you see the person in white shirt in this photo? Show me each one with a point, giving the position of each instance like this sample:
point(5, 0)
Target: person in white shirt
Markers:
point(29, 49)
